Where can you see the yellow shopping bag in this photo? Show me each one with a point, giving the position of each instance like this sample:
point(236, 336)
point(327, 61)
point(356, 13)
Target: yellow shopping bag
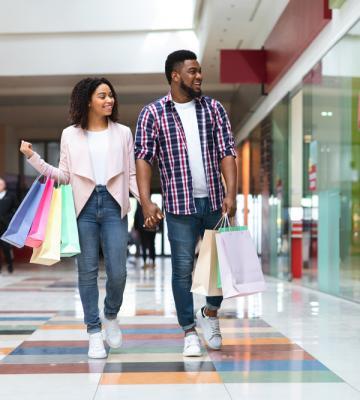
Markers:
point(49, 252)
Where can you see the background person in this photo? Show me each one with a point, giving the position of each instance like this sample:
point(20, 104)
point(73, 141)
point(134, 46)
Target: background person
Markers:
point(147, 238)
point(8, 205)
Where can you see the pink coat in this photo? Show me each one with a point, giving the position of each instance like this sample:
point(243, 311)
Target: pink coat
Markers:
point(75, 166)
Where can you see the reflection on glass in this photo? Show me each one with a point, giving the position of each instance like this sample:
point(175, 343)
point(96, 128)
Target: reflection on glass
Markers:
point(332, 155)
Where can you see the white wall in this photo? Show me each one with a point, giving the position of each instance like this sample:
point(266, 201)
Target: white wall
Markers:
point(344, 59)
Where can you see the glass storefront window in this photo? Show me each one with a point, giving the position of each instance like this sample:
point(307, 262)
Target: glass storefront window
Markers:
point(269, 191)
point(331, 197)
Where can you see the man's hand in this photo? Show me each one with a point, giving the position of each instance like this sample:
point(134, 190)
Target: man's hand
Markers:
point(229, 206)
point(152, 214)
point(26, 149)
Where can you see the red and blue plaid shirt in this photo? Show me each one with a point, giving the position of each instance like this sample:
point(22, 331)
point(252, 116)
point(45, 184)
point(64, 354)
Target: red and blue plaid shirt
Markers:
point(160, 135)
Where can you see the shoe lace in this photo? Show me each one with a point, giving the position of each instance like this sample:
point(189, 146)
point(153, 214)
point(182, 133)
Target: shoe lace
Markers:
point(113, 326)
point(97, 342)
point(191, 340)
point(215, 327)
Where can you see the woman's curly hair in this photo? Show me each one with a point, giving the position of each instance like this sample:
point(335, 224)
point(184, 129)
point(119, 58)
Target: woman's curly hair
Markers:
point(81, 97)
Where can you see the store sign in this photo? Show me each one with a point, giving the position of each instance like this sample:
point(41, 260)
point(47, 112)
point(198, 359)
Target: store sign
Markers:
point(313, 166)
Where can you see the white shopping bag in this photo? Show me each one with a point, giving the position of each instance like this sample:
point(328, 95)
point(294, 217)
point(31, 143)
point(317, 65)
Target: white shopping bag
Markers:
point(239, 265)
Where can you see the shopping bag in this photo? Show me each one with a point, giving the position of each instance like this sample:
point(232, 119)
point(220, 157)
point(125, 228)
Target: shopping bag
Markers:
point(22, 220)
point(49, 251)
point(226, 229)
point(239, 264)
point(37, 232)
point(70, 244)
point(204, 279)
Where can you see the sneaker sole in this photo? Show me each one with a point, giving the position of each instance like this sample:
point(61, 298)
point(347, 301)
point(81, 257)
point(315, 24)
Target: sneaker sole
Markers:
point(97, 357)
point(192, 355)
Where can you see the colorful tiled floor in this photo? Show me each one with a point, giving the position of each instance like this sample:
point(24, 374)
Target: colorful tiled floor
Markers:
point(43, 344)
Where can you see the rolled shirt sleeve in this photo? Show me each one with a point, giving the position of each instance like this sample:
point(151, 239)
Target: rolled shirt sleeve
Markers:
point(223, 135)
point(145, 137)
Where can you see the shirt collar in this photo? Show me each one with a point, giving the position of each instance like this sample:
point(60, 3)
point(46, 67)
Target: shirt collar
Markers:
point(168, 98)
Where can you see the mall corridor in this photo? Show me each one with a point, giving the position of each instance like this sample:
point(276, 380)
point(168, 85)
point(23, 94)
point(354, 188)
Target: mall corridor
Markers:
point(127, 128)
point(288, 343)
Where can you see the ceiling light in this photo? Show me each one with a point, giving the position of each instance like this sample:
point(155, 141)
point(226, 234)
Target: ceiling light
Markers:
point(326, 113)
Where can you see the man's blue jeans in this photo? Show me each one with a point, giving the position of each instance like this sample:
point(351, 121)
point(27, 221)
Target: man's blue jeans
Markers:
point(184, 232)
point(100, 223)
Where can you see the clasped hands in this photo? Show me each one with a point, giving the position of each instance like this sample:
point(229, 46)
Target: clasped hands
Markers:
point(152, 215)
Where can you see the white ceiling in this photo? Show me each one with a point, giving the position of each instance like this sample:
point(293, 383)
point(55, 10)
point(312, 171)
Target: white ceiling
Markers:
point(32, 41)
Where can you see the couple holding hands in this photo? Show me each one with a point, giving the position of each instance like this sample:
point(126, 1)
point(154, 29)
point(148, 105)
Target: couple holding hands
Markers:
point(190, 137)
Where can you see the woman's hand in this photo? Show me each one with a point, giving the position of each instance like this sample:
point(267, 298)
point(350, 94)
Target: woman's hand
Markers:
point(26, 149)
point(152, 214)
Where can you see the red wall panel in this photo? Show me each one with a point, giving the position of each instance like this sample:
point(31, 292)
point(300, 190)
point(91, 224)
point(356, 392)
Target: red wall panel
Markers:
point(245, 66)
point(298, 25)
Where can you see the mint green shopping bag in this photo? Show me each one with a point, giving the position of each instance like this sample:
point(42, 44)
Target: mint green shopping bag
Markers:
point(227, 229)
point(70, 245)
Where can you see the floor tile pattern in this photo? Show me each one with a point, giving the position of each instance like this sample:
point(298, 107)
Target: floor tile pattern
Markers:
point(287, 343)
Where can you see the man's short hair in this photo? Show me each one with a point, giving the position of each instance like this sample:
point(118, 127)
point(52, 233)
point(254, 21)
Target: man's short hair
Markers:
point(176, 58)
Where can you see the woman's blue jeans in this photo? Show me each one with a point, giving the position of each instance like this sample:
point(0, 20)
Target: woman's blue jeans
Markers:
point(184, 232)
point(100, 223)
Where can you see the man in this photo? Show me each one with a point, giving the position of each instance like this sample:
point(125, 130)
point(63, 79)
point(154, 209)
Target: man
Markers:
point(189, 134)
point(7, 209)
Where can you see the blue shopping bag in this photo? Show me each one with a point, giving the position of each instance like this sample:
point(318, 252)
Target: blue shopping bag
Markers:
point(20, 224)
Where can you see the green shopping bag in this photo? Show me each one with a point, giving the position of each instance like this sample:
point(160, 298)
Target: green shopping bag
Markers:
point(226, 229)
point(70, 245)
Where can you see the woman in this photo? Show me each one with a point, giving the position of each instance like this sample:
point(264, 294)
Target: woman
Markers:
point(96, 158)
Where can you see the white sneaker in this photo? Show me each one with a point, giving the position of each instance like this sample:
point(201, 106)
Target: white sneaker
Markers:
point(192, 346)
point(113, 334)
point(211, 330)
point(96, 346)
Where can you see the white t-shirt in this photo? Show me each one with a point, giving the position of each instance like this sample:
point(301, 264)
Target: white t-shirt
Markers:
point(187, 114)
point(98, 146)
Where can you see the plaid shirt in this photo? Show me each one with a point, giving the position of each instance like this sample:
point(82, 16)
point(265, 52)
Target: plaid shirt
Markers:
point(160, 135)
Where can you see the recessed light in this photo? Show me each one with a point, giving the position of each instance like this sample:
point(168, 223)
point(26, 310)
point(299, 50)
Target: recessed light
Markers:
point(326, 113)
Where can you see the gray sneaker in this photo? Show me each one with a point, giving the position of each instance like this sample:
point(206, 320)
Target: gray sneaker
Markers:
point(211, 329)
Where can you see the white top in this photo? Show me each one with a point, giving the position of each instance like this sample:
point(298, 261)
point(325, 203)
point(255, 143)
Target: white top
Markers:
point(187, 114)
point(98, 147)
point(2, 194)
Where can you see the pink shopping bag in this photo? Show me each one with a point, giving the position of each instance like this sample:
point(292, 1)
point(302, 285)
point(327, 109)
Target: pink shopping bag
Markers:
point(239, 265)
point(37, 232)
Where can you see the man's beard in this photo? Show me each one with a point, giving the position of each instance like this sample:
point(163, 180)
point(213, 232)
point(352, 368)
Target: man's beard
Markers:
point(188, 90)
